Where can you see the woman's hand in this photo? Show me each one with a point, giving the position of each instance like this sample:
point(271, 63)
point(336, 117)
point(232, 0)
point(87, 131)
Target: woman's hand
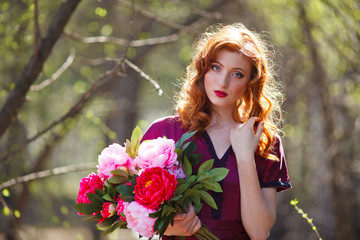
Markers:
point(185, 224)
point(245, 139)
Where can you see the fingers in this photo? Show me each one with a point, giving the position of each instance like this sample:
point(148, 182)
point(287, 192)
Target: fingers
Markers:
point(259, 131)
point(180, 216)
point(185, 224)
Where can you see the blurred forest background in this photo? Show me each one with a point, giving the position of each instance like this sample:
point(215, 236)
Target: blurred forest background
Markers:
point(77, 75)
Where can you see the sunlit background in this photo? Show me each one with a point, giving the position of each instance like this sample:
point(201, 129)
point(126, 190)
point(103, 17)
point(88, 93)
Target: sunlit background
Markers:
point(316, 44)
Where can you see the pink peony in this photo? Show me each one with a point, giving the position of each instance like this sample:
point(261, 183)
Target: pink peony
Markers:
point(158, 152)
point(120, 208)
point(154, 186)
point(138, 219)
point(88, 185)
point(114, 157)
point(108, 211)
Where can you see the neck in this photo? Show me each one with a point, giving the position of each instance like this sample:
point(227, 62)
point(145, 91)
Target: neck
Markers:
point(221, 117)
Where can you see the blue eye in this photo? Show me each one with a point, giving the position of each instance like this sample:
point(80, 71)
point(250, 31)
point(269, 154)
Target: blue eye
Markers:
point(215, 68)
point(238, 75)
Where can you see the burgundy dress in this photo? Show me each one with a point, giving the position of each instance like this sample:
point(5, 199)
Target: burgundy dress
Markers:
point(225, 222)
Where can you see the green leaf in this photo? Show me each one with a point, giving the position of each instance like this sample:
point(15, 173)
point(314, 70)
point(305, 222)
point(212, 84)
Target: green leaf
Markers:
point(95, 199)
point(99, 192)
point(218, 174)
point(191, 179)
point(181, 188)
point(183, 139)
point(196, 199)
point(208, 199)
point(189, 148)
point(119, 172)
point(187, 167)
point(136, 137)
point(107, 197)
point(93, 217)
point(118, 179)
point(111, 191)
point(127, 198)
point(164, 222)
point(126, 190)
point(194, 158)
point(205, 167)
point(198, 186)
point(197, 208)
point(155, 214)
point(128, 148)
point(87, 208)
point(180, 181)
point(176, 198)
point(109, 221)
point(190, 193)
point(211, 185)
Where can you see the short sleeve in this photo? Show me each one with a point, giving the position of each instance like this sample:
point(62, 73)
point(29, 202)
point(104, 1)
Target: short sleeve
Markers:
point(168, 127)
point(274, 173)
point(151, 133)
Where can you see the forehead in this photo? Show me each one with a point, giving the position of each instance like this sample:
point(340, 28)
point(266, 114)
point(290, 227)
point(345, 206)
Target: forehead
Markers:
point(232, 59)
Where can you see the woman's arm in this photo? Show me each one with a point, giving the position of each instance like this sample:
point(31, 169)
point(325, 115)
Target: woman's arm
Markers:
point(258, 206)
point(185, 224)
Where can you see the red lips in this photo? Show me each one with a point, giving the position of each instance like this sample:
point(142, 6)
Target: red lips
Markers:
point(220, 94)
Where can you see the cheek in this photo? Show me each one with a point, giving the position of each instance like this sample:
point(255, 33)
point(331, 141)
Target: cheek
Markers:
point(207, 81)
point(240, 88)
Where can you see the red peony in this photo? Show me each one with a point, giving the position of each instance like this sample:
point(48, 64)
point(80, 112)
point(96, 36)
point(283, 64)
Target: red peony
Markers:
point(108, 210)
point(154, 186)
point(88, 185)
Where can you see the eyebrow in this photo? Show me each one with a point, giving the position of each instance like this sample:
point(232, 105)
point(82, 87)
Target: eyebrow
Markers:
point(239, 68)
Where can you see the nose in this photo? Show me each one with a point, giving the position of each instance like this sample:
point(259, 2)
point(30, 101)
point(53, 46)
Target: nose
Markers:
point(223, 80)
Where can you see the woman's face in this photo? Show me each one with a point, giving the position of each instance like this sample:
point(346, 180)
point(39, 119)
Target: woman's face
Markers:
point(226, 80)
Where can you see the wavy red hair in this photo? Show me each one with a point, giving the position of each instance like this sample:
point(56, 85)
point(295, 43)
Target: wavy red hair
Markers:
point(262, 98)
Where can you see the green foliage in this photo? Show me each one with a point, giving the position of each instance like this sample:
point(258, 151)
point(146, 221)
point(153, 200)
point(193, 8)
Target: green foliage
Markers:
point(294, 203)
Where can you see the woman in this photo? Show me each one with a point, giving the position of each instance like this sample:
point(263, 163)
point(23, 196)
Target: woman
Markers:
point(230, 98)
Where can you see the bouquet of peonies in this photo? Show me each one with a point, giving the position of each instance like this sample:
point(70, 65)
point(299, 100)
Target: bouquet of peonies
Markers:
point(143, 186)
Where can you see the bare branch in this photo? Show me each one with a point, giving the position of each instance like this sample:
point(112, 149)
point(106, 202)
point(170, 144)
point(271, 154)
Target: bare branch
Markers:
point(99, 61)
point(78, 106)
point(137, 43)
point(47, 173)
point(144, 75)
point(57, 74)
point(16, 97)
point(151, 15)
point(12, 215)
point(199, 11)
point(71, 113)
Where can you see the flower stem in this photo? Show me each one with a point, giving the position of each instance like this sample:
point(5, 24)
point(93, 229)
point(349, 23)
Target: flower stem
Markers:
point(205, 234)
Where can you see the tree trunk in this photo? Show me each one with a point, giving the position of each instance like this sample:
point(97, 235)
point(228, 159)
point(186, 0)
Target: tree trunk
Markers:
point(33, 68)
point(339, 164)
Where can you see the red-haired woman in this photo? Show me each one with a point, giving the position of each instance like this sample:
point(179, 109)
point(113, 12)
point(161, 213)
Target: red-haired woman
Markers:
point(233, 102)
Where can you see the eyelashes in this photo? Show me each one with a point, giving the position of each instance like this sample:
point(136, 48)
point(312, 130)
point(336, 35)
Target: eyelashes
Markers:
point(217, 68)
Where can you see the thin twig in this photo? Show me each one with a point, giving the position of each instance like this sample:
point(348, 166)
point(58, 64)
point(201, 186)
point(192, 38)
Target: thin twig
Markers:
point(47, 173)
point(144, 75)
point(305, 216)
point(72, 112)
point(12, 216)
point(78, 106)
point(136, 43)
point(151, 15)
point(122, 42)
point(100, 61)
point(57, 74)
point(199, 11)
